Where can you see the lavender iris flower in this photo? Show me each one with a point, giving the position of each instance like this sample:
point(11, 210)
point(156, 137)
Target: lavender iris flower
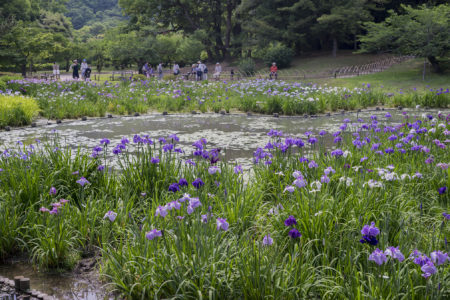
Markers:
point(110, 215)
point(442, 190)
point(222, 224)
point(378, 257)
point(153, 234)
point(267, 240)
point(394, 252)
point(52, 191)
point(439, 257)
point(82, 181)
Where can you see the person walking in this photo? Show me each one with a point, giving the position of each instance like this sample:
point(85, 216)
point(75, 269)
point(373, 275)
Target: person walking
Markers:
point(160, 71)
point(146, 70)
point(56, 70)
point(84, 66)
point(205, 72)
point(273, 71)
point(75, 68)
point(199, 71)
point(217, 71)
point(176, 69)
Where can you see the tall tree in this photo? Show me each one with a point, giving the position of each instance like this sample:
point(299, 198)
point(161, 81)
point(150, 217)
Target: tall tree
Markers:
point(423, 32)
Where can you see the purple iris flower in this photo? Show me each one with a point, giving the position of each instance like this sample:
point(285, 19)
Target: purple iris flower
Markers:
point(52, 191)
point(394, 252)
point(154, 160)
point(197, 183)
point(238, 169)
point(101, 168)
point(369, 234)
point(174, 188)
point(153, 234)
point(378, 257)
point(174, 137)
point(82, 181)
point(161, 211)
point(110, 215)
point(442, 190)
point(290, 221)
point(267, 240)
point(439, 257)
point(446, 216)
point(105, 141)
point(428, 269)
point(294, 233)
point(183, 182)
point(222, 224)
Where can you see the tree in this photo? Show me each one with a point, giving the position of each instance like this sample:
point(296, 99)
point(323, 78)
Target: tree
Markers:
point(215, 17)
point(422, 31)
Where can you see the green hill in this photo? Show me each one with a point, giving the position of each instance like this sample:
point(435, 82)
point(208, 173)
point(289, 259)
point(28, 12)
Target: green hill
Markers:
point(88, 12)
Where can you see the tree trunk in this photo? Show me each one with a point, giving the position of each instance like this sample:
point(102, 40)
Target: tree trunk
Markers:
point(335, 46)
point(24, 70)
point(228, 23)
point(67, 65)
point(434, 64)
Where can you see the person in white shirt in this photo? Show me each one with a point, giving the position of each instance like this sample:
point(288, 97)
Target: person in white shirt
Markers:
point(160, 71)
point(56, 70)
point(217, 71)
point(84, 66)
point(176, 69)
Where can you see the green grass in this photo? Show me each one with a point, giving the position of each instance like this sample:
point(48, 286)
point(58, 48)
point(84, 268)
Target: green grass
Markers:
point(193, 259)
point(17, 110)
point(401, 77)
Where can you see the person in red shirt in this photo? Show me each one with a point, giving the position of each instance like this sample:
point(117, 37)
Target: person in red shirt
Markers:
point(273, 71)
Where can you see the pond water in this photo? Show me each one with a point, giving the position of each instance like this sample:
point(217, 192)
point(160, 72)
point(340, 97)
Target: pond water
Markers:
point(237, 134)
point(59, 285)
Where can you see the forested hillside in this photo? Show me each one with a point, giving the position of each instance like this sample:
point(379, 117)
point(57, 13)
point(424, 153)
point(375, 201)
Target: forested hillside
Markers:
point(89, 12)
point(127, 33)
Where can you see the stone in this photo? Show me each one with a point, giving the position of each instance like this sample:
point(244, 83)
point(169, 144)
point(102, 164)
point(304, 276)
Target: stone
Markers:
point(249, 114)
point(136, 114)
point(194, 112)
point(275, 115)
point(58, 121)
point(83, 118)
point(165, 113)
point(33, 124)
point(110, 116)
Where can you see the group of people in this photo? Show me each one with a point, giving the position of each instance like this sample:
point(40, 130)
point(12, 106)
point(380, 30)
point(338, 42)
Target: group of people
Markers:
point(198, 70)
point(84, 68)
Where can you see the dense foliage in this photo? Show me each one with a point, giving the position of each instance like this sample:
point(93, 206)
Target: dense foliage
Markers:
point(423, 32)
point(44, 31)
point(360, 212)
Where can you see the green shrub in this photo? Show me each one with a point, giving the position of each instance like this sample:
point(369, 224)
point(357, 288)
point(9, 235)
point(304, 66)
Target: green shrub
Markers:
point(17, 110)
point(247, 66)
point(7, 78)
point(280, 54)
point(170, 77)
point(139, 77)
point(2, 86)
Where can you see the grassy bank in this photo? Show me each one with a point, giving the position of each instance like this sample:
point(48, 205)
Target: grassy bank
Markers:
point(17, 110)
point(60, 100)
point(307, 224)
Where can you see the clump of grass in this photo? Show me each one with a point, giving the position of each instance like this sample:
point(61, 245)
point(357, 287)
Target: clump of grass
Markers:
point(17, 110)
